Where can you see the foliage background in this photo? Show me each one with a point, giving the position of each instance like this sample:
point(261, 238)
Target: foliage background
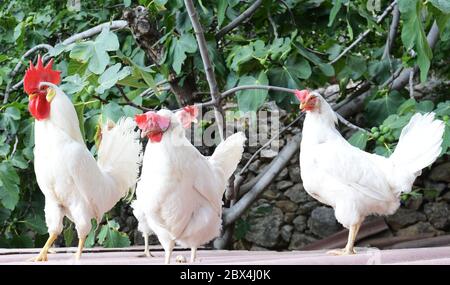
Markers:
point(290, 43)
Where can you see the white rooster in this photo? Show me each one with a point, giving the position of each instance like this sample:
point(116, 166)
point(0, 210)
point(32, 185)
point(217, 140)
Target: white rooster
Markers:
point(73, 182)
point(356, 183)
point(179, 195)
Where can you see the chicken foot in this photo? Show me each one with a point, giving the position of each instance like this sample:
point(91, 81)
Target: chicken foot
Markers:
point(43, 253)
point(193, 254)
point(349, 248)
point(147, 252)
point(168, 251)
point(80, 248)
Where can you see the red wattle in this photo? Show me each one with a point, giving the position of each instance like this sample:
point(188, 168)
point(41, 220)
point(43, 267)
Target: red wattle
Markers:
point(155, 137)
point(39, 107)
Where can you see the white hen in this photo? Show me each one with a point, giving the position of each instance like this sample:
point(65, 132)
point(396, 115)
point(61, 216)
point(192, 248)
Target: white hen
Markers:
point(356, 183)
point(73, 182)
point(179, 195)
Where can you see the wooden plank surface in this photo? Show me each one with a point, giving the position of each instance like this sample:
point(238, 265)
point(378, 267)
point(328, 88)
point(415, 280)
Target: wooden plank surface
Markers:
point(130, 256)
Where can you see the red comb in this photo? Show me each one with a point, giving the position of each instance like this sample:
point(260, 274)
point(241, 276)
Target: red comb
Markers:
point(37, 74)
point(141, 120)
point(192, 110)
point(301, 94)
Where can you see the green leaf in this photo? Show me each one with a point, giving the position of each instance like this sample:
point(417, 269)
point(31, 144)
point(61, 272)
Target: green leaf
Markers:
point(252, 100)
point(425, 106)
point(337, 4)
point(37, 223)
point(355, 67)
point(413, 34)
point(22, 241)
point(79, 109)
point(19, 161)
point(395, 121)
point(446, 140)
point(18, 30)
point(379, 109)
point(443, 5)
point(57, 50)
point(242, 55)
point(69, 235)
point(443, 109)
point(73, 84)
point(111, 237)
point(383, 151)
point(280, 48)
point(4, 215)
point(326, 68)
point(9, 185)
point(359, 139)
point(107, 40)
point(9, 119)
point(99, 60)
point(407, 107)
point(290, 74)
point(96, 51)
point(221, 9)
point(112, 111)
point(132, 82)
point(4, 149)
point(90, 240)
point(82, 51)
point(110, 77)
point(242, 227)
point(179, 47)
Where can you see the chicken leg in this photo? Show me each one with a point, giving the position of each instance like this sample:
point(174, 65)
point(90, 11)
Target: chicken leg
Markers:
point(193, 254)
point(168, 251)
point(349, 248)
point(43, 253)
point(80, 248)
point(147, 252)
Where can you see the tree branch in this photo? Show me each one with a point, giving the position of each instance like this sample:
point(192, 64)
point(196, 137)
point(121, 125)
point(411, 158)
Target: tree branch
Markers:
point(348, 124)
point(272, 23)
point(411, 84)
point(268, 143)
point(246, 87)
point(366, 32)
point(230, 215)
point(114, 25)
point(129, 102)
point(392, 32)
point(210, 76)
point(241, 18)
point(403, 78)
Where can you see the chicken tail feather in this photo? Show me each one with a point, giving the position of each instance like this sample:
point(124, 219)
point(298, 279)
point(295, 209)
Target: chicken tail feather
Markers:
point(419, 144)
point(228, 153)
point(120, 154)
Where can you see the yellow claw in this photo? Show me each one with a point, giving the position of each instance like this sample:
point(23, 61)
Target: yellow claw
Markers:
point(80, 248)
point(43, 254)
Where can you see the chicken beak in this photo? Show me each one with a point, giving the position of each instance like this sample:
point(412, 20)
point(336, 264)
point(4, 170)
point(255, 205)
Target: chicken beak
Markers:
point(302, 105)
point(50, 94)
point(144, 133)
